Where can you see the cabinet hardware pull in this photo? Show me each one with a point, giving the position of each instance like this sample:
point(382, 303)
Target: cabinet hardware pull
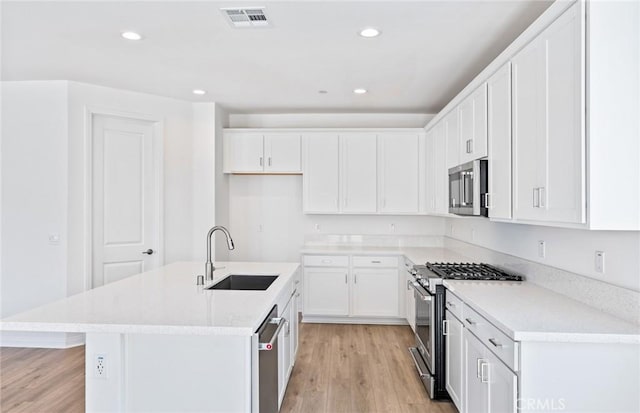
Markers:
point(355, 278)
point(261, 161)
point(445, 327)
point(375, 262)
point(345, 278)
point(470, 321)
point(148, 252)
point(269, 161)
point(484, 378)
point(541, 193)
point(478, 362)
point(495, 343)
point(536, 197)
point(486, 200)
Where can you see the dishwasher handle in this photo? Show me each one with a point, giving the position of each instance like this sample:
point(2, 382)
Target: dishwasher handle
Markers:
point(280, 321)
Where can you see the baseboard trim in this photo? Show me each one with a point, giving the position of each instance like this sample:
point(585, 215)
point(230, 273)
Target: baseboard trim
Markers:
point(354, 320)
point(32, 339)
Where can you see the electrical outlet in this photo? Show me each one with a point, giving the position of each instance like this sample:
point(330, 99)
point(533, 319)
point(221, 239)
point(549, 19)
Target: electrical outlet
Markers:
point(392, 227)
point(542, 249)
point(100, 366)
point(600, 262)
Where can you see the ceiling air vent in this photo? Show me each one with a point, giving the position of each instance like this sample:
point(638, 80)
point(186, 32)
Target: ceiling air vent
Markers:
point(247, 17)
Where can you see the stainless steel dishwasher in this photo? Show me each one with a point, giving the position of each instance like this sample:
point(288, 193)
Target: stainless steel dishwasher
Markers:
point(268, 361)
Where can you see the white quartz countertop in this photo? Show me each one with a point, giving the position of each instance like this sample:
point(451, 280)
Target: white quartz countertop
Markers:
point(417, 255)
point(527, 312)
point(163, 301)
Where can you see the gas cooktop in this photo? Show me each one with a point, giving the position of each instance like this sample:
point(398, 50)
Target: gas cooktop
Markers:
point(465, 271)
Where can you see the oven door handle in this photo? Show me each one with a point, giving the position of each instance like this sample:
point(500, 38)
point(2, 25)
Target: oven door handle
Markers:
point(418, 292)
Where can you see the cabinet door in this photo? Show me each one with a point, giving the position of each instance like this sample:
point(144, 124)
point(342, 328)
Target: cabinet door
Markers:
point(375, 293)
point(321, 173)
point(247, 152)
point(441, 176)
point(284, 352)
point(499, 112)
point(430, 170)
point(410, 300)
point(473, 125)
point(529, 129)
point(399, 173)
point(282, 153)
point(452, 138)
point(562, 193)
point(454, 366)
point(326, 291)
point(294, 327)
point(503, 386)
point(476, 391)
point(359, 171)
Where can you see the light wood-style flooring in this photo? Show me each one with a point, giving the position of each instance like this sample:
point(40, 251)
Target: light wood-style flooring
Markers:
point(358, 369)
point(340, 368)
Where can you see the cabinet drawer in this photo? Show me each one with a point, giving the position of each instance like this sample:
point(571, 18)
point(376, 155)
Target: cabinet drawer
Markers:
point(375, 262)
point(326, 261)
point(454, 305)
point(495, 340)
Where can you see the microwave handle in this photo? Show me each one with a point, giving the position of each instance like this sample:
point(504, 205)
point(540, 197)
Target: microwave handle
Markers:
point(463, 189)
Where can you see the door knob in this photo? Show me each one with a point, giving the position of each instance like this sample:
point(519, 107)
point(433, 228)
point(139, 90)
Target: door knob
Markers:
point(148, 252)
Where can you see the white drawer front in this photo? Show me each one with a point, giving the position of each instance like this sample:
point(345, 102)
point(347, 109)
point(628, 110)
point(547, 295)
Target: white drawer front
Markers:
point(454, 304)
point(375, 262)
point(495, 340)
point(326, 261)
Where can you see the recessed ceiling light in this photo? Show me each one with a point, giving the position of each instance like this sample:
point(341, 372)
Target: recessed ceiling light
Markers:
point(359, 91)
point(370, 32)
point(199, 92)
point(131, 36)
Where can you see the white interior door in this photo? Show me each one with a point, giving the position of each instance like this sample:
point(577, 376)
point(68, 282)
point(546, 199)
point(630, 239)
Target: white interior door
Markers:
point(126, 206)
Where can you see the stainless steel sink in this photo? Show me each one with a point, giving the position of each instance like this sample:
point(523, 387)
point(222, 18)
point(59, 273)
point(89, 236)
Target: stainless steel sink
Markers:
point(244, 282)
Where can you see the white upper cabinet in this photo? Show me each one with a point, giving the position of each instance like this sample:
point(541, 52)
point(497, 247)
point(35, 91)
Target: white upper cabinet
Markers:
point(282, 153)
point(472, 114)
point(499, 142)
point(256, 152)
point(399, 173)
point(548, 133)
point(359, 171)
point(247, 152)
point(321, 176)
point(452, 139)
point(437, 176)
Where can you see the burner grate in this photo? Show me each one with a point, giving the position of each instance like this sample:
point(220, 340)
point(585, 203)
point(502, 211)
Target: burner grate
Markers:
point(468, 271)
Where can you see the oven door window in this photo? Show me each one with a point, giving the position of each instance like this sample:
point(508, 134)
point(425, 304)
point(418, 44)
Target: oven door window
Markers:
point(424, 326)
point(454, 190)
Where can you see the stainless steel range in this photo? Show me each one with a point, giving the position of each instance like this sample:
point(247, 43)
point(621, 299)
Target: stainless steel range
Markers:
point(428, 355)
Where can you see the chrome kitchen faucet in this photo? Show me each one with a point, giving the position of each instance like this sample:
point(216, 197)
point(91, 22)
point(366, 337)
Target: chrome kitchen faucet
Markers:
point(208, 267)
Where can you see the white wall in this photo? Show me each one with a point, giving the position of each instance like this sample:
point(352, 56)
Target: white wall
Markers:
point(34, 194)
point(221, 185)
point(568, 249)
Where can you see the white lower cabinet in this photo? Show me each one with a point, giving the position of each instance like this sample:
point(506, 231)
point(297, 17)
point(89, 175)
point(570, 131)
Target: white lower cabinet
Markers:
point(410, 302)
point(490, 385)
point(367, 290)
point(454, 366)
point(375, 293)
point(284, 351)
point(326, 291)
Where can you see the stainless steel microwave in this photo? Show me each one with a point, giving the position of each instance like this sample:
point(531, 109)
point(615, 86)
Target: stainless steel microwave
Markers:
point(468, 189)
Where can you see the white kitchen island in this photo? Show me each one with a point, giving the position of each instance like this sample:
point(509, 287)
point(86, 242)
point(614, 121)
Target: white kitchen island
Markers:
point(158, 342)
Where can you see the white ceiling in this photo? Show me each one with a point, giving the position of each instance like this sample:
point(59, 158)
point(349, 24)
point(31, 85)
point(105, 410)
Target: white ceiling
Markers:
point(428, 52)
